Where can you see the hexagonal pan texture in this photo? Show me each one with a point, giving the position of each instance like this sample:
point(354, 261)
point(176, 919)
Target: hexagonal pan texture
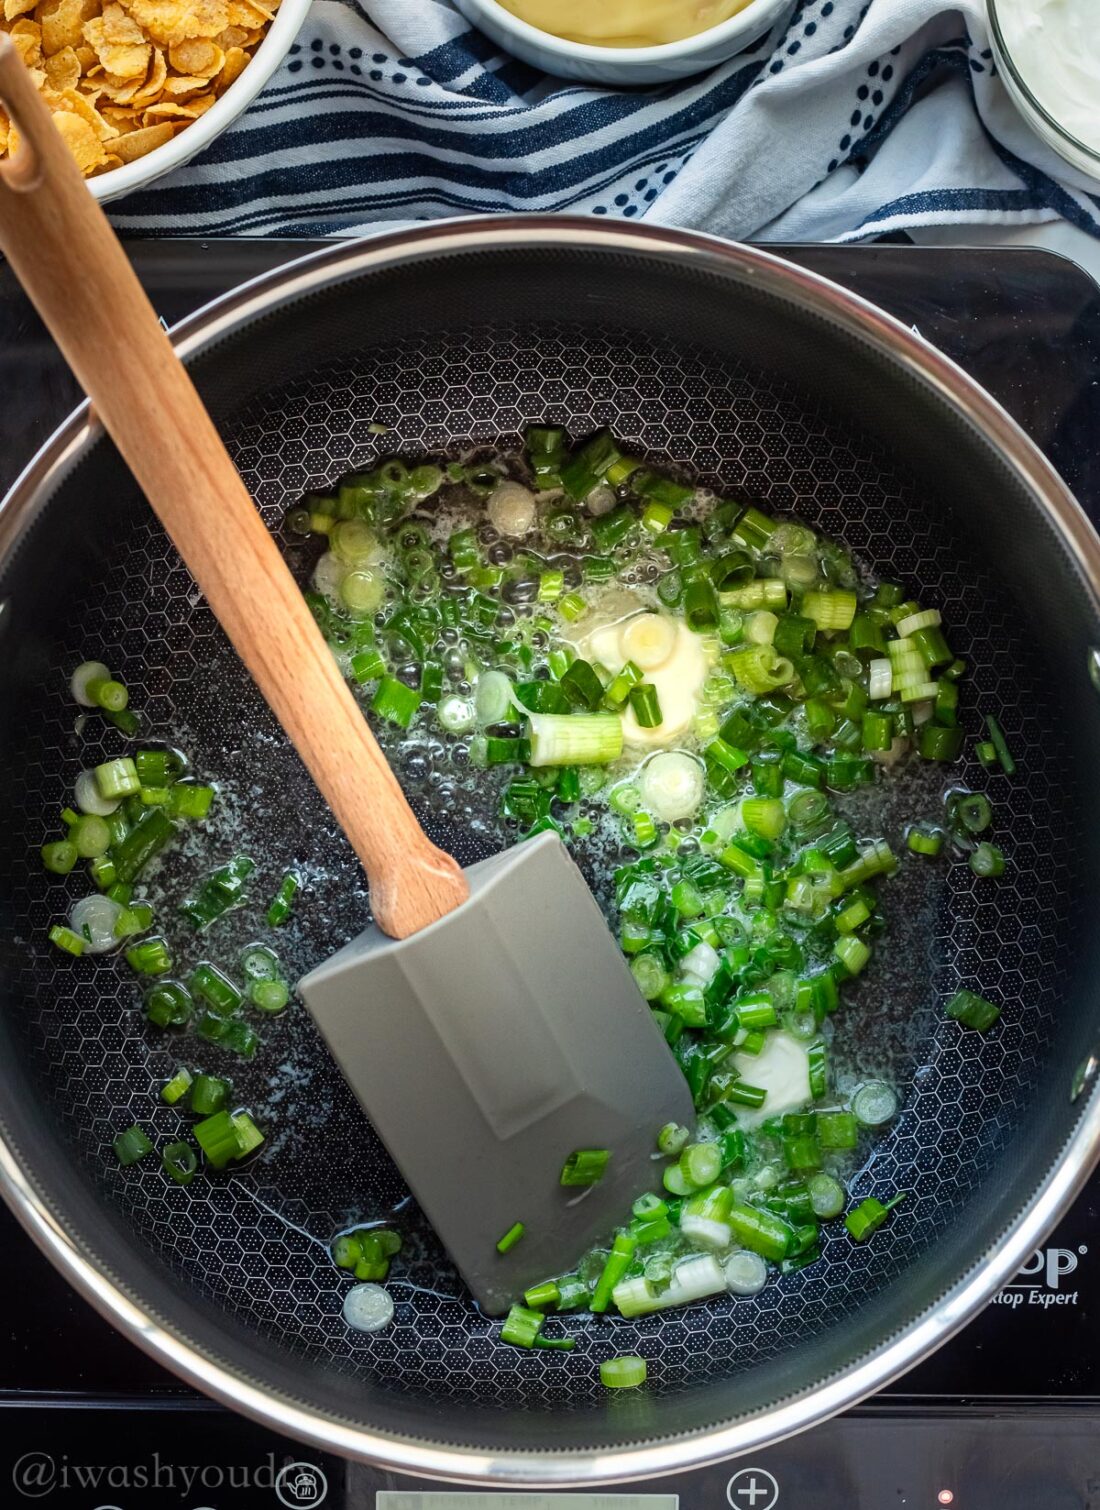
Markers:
point(762, 381)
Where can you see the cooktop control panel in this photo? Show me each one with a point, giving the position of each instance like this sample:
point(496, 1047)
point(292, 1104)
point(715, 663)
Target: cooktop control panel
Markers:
point(904, 1456)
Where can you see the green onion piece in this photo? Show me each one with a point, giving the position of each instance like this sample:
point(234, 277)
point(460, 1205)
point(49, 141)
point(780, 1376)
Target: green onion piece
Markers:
point(551, 586)
point(938, 743)
point(126, 722)
point(586, 468)
point(279, 910)
point(575, 739)
point(585, 1166)
point(144, 841)
point(625, 1372)
point(874, 1104)
point(395, 702)
point(852, 953)
point(346, 1250)
point(367, 665)
point(646, 705)
point(987, 861)
point(131, 1145)
point(510, 1238)
point(462, 549)
point(189, 800)
point(618, 1262)
point(974, 812)
point(826, 1196)
point(268, 995)
point(672, 1139)
point(743, 1094)
point(610, 530)
point(222, 889)
point(869, 1215)
point(521, 1326)
point(973, 1011)
point(548, 1293)
point(759, 669)
point(830, 611)
point(215, 988)
point(91, 836)
point(582, 686)
point(179, 1161)
point(760, 1231)
point(924, 839)
point(619, 688)
point(226, 1136)
point(117, 778)
point(209, 1094)
point(59, 857)
point(837, 1131)
point(656, 517)
point(175, 1089)
point(150, 957)
point(986, 752)
point(168, 1005)
point(700, 606)
point(701, 1164)
point(572, 607)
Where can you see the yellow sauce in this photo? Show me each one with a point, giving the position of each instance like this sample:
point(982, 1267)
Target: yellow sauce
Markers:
point(624, 23)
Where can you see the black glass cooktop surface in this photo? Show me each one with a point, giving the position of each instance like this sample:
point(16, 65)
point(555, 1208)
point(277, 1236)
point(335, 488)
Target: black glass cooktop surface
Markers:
point(1006, 1414)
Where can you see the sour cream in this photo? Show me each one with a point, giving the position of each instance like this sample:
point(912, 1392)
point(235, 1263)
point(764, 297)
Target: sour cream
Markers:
point(678, 676)
point(1055, 45)
point(624, 23)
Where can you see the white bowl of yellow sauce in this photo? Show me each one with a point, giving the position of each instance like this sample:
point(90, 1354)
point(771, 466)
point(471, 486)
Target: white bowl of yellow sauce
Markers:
point(624, 41)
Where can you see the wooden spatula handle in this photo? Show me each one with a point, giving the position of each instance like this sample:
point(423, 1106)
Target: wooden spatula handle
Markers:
point(68, 260)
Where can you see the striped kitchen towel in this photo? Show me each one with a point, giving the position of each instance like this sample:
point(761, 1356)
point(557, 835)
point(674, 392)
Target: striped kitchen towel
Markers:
point(856, 118)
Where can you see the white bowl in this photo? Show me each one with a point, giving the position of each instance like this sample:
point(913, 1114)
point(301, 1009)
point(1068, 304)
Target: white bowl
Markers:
point(199, 134)
point(624, 65)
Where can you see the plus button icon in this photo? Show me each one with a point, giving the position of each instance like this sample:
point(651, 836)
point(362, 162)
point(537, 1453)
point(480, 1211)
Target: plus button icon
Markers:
point(752, 1489)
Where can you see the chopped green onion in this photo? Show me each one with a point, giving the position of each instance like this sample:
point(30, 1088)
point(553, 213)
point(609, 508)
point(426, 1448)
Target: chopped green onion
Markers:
point(521, 1326)
point(150, 957)
point(646, 705)
point(973, 1011)
point(168, 1005)
point(869, 1215)
point(874, 1104)
point(59, 857)
point(268, 995)
point(987, 861)
point(117, 778)
point(585, 1167)
point(625, 1372)
point(283, 900)
point(209, 1094)
point(510, 1238)
point(215, 988)
point(395, 702)
point(175, 1089)
point(924, 839)
point(179, 1161)
point(131, 1146)
point(575, 739)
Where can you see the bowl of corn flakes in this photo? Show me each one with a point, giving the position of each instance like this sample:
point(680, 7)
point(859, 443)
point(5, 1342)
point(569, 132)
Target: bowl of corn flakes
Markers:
point(138, 87)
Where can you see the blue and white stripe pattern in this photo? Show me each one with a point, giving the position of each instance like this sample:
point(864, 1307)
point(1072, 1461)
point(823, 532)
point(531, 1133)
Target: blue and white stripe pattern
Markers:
point(858, 118)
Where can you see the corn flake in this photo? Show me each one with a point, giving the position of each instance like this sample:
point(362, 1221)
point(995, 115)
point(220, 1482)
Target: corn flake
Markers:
point(122, 77)
point(81, 140)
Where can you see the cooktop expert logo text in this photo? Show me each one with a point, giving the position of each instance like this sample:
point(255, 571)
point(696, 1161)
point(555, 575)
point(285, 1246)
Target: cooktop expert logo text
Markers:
point(1042, 1280)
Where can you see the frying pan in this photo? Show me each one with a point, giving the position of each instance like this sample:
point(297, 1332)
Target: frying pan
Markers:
point(763, 380)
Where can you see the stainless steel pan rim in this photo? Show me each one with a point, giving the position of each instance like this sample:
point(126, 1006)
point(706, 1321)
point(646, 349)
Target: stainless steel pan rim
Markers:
point(960, 1302)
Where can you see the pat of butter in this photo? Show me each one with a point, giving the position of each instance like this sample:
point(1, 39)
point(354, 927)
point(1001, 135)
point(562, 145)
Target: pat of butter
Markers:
point(782, 1068)
point(678, 681)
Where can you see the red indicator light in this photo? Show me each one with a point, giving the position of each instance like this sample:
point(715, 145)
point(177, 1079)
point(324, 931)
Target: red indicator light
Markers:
point(945, 1497)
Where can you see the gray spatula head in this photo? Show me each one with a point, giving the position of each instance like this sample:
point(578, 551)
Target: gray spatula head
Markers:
point(492, 1045)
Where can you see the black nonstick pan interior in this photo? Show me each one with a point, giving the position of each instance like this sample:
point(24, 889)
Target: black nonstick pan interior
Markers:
point(697, 366)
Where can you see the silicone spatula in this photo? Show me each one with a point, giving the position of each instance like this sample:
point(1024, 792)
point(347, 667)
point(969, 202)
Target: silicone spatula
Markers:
point(486, 1020)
